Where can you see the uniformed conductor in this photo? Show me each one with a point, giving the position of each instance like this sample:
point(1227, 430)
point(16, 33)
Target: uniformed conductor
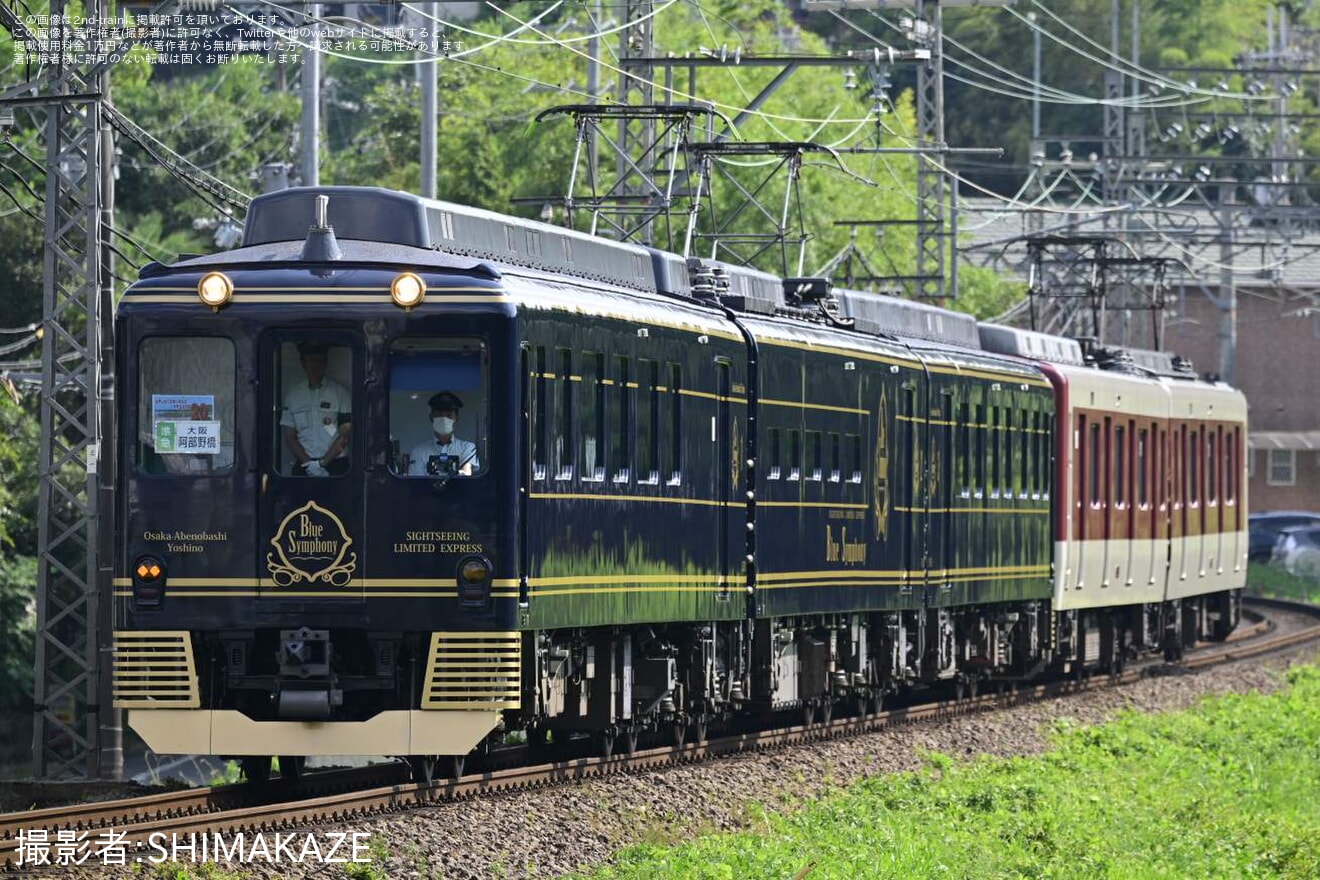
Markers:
point(444, 416)
point(317, 417)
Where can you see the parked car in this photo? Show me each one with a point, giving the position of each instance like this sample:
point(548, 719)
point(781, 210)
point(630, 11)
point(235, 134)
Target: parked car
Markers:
point(1298, 550)
point(1266, 527)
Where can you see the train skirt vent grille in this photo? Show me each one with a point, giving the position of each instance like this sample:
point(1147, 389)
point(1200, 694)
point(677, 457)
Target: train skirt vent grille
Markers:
point(473, 671)
point(155, 670)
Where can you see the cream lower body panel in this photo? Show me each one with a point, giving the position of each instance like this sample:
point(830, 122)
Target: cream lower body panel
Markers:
point(1099, 574)
point(231, 733)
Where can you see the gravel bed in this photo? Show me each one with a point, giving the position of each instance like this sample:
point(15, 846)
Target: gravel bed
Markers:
point(575, 827)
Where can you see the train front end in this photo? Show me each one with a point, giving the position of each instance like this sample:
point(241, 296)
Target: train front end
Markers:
point(316, 488)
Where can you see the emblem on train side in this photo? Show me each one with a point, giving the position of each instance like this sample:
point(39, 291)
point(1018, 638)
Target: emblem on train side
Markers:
point(311, 545)
point(880, 479)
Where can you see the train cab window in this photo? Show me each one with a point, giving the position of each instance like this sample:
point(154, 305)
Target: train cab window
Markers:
point(592, 429)
point(816, 463)
point(621, 418)
point(675, 425)
point(794, 455)
point(776, 469)
point(562, 446)
point(186, 405)
point(439, 407)
point(648, 423)
point(856, 444)
point(836, 459)
point(315, 430)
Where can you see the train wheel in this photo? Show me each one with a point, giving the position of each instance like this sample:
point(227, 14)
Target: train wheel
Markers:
point(604, 740)
point(699, 726)
point(292, 767)
point(628, 740)
point(422, 768)
point(454, 765)
point(808, 713)
point(256, 769)
point(677, 734)
point(826, 711)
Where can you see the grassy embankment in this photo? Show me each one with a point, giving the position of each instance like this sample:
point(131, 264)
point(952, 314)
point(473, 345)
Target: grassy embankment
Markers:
point(1228, 790)
point(1271, 580)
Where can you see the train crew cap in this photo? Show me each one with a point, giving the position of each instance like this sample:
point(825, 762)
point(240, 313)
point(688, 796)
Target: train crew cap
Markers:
point(306, 348)
point(445, 400)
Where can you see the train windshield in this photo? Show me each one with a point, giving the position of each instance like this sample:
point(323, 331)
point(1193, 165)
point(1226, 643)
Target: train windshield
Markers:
point(186, 405)
point(438, 407)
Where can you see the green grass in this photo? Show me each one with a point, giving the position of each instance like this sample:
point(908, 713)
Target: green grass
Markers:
point(1228, 790)
point(1272, 580)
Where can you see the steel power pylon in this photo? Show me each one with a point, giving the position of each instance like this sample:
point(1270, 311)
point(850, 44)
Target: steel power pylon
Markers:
point(76, 731)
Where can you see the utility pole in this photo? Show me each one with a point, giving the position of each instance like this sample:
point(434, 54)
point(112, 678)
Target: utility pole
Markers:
point(931, 187)
point(427, 72)
point(311, 103)
point(75, 729)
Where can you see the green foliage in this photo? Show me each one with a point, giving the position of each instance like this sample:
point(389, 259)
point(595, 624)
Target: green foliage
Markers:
point(19, 450)
point(1227, 790)
point(18, 584)
point(1272, 580)
point(378, 852)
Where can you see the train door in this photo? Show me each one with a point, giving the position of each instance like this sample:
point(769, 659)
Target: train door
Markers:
point(727, 470)
point(912, 495)
point(310, 525)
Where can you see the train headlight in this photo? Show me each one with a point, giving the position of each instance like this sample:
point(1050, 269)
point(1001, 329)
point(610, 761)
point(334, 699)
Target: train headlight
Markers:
point(408, 290)
point(474, 580)
point(215, 289)
point(148, 581)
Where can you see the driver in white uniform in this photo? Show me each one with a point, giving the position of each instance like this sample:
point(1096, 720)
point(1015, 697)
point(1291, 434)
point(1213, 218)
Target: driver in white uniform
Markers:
point(444, 417)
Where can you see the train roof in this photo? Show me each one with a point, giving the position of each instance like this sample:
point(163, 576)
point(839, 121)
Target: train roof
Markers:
point(373, 225)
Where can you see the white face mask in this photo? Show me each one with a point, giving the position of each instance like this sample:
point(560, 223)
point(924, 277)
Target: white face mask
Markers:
point(443, 425)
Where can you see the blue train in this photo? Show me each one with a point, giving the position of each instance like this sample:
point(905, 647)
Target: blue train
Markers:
point(403, 477)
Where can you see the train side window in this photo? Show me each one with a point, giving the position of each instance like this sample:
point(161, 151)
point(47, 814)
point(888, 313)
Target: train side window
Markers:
point(964, 441)
point(855, 441)
point(836, 459)
point(648, 423)
point(564, 422)
point(1212, 467)
point(1025, 438)
point(1229, 466)
point(1046, 457)
point(996, 453)
point(1011, 471)
point(540, 414)
point(592, 428)
point(438, 407)
point(816, 468)
point(1194, 459)
point(621, 457)
point(1034, 468)
point(1143, 476)
point(776, 468)
point(982, 428)
point(1120, 466)
point(675, 425)
point(186, 405)
point(1093, 464)
point(794, 455)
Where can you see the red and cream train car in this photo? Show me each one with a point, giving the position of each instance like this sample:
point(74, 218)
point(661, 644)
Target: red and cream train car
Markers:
point(1150, 518)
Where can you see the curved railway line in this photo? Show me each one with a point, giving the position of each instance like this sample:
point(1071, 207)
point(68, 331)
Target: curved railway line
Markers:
point(340, 795)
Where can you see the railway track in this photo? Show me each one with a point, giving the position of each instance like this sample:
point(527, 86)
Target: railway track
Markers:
point(343, 795)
